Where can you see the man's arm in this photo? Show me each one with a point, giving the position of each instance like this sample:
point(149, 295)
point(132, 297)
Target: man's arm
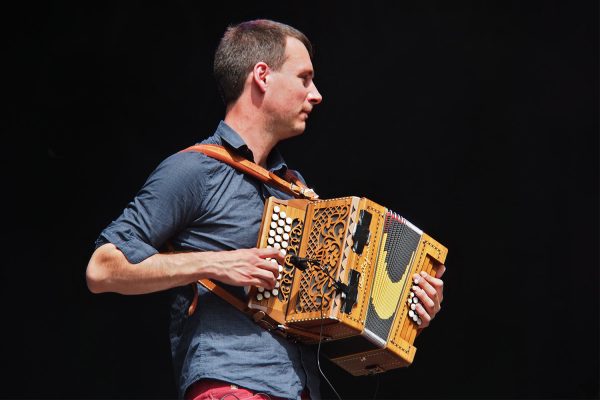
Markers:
point(109, 270)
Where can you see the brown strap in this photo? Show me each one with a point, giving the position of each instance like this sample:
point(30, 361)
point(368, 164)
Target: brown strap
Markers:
point(295, 187)
point(219, 291)
point(257, 316)
point(225, 295)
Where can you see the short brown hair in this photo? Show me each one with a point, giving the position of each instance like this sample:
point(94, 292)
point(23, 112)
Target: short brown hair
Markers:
point(245, 44)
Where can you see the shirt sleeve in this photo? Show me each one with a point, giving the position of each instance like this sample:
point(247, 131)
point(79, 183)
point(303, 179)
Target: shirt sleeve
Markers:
point(168, 201)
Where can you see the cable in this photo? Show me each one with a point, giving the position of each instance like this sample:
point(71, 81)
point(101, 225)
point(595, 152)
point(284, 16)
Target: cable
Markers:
point(302, 264)
point(319, 353)
point(376, 386)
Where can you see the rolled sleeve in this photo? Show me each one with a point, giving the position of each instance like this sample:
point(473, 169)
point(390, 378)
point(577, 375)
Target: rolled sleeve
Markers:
point(170, 198)
point(132, 247)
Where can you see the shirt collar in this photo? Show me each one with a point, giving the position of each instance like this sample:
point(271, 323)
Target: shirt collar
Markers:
point(275, 161)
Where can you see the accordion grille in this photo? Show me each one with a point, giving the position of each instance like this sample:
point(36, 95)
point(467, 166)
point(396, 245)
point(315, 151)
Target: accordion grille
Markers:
point(325, 243)
point(399, 242)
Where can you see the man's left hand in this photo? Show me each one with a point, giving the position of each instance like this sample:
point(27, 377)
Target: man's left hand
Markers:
point(430, 291)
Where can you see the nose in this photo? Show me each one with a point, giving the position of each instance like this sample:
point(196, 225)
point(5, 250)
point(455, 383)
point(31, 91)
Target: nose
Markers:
point(314, 97)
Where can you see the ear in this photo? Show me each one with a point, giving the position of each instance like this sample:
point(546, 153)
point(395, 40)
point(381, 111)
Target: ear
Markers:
point(259, 74)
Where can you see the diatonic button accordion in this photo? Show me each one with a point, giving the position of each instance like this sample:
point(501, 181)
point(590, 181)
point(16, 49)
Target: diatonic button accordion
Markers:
point(346, 281)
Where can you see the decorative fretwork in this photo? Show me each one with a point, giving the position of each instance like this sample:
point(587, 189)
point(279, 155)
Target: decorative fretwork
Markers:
point(324, 244)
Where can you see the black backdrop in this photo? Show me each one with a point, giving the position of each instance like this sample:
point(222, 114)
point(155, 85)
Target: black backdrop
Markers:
point(476, 121)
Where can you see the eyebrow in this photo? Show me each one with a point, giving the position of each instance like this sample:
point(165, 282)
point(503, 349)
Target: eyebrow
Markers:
point(308, 71)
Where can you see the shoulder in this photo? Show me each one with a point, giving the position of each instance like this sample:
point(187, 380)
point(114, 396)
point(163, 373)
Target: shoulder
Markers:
point(189, 160)
point(181, 173)
point(186, 164)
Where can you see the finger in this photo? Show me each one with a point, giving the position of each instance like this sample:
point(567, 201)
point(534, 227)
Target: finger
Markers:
point(439, 272)
point(267, 252)
point(272, 252)
point(424, 284)
point(261, 283)
point(265, 278)
point(436, 283)
point(424, 315)
point(425, 300)
point(270, 265)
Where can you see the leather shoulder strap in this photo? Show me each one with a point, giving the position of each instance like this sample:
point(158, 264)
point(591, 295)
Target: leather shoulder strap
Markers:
point(225, 295)
point(295, 187)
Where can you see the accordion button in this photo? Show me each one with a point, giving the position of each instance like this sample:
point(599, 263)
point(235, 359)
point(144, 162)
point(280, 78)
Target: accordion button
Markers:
point(277, 284)
point(276, 245)
point(282, 214)
point(259, 296)
point(411, 314)
point(284, 244)
point(419, 321)
point(273, 224)
point(288, 221)
point(275, 217)
point(279, 230)
point(279, 277)
point(272, 232)
point(281, 222)
point(275, 292)
point(271, 240)
point(267, 295)
point(280, 267)
point(285, 236)
point(276, 209)
point(260, 289)
point(277, 238)
point(283, 252)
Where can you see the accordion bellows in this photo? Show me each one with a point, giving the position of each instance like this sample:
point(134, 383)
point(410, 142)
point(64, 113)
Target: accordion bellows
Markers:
point(353, 291)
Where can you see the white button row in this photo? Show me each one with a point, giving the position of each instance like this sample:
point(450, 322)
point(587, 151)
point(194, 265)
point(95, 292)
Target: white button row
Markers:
point(280, 227)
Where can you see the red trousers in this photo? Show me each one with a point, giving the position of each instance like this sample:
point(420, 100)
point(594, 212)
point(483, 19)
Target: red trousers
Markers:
point(210, 389)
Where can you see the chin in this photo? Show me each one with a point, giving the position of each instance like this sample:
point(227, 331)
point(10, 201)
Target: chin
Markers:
point(299, 130)
point(296, 130)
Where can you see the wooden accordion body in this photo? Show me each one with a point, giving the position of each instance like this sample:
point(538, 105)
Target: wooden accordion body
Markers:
point(373, 252)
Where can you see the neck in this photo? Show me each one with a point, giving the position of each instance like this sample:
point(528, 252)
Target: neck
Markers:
point(255, 134)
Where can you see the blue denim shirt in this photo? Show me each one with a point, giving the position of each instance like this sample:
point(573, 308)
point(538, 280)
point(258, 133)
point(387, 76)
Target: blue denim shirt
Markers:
point(198, 203)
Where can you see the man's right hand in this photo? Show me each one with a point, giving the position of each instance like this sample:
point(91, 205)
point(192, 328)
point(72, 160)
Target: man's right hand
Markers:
point(244, 267)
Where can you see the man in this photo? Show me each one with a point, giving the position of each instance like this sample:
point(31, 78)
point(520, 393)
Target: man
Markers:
point(210, 213)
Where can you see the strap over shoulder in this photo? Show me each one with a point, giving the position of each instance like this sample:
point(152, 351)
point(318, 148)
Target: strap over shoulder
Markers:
point(291, 184)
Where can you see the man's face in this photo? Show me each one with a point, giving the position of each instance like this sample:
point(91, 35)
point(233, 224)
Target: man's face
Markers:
point(291, 93)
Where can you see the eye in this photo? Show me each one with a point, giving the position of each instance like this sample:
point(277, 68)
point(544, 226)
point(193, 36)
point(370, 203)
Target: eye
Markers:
point(306, 79)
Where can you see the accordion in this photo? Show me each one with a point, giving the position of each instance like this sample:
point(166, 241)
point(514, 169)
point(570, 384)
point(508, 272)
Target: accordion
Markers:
point(346, 281)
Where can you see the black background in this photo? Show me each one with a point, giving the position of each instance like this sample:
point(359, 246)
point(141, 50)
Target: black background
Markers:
point(477, 121)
